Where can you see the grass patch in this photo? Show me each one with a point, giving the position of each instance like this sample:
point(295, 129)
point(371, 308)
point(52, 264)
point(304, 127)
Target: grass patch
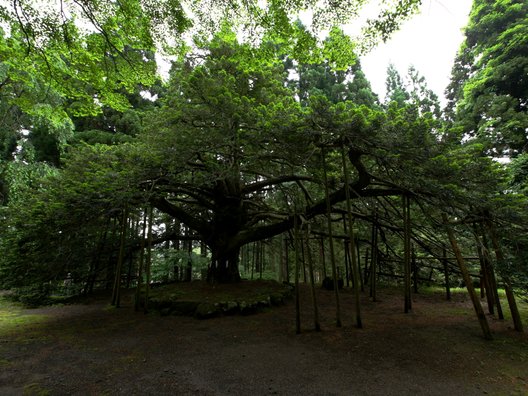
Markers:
point(35, 390)
point(13, 318)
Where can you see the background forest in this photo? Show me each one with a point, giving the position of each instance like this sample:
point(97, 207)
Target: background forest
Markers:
point(112, 177)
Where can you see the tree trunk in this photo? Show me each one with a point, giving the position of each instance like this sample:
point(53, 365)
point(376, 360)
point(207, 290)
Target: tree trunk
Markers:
point(446, 274)
point(492, 277)
point(516, 317)
point(467, 279)
point(331, 241)
point(407, 253)
point(148, 263)
point(374, 257)
point(116, 292)
point(351, 247)
point(224, 266)
point(141, 261)
point(485, 280)
point(358, 258)
point(317, 325)
point(323, 258)
point(296, 237)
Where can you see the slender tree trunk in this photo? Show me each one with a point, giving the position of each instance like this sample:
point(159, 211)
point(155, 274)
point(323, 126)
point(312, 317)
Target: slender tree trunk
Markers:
point(493, 279)
point(116, 292)
point(141, 261)
point(331, 241)
point(279, 254)
point(254, 258)
point(188, 268)
point(446, 274)
point(407, 253)
point(262, 256)
point(374, 258)
point(323, 258)
point(516, 317)
point(467, 279)
point(297, 271)
point(134, 225)
point(96, 262)
point(148, 259)
point(414, 267)
point(351, 245)
point(346, 250)
point(366, 269)
point(287, 261)
point(358, 256)
point(317, 325)
point(303, 261)
point(486, 282)
point(111, 266)
point(347, 261)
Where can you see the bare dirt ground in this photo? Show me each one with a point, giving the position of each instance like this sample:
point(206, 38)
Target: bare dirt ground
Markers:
point(91, 349)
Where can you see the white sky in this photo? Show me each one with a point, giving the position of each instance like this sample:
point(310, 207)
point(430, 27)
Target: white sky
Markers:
point(429, 41)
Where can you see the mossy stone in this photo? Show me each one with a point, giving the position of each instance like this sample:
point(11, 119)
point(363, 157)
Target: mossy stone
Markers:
point(206, 310)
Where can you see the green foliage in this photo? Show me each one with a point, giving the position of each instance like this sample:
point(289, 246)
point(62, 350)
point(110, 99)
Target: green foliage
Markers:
point(229, 147)
point(165, 261)
point(488, 79)
point(54, 223)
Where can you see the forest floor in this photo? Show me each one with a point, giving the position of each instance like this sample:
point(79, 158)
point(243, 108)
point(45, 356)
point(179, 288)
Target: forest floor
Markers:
point(94, 349)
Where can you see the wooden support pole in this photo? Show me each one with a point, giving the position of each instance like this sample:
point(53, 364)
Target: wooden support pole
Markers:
point(358, 257)
point(348, 269)
point(485, 283)
point(492, 277)
point(148, 263)
point(317, 325)
point(141, 261)
point(346, 259)
point(351, 245)
point(446, 274)
point(286, 260)
point(414, 267)
point(407, 253)
point(116, 292)
point(516, 317)
point(374, 258)
point(323, 258)
point(296, 237)
point(467, 280)
point(366, 270)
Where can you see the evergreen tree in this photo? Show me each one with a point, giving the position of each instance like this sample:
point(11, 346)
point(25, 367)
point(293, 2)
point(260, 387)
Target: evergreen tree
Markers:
point(489, 83)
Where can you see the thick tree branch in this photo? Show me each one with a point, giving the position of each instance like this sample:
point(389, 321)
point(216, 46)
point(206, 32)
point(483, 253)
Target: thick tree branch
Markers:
point(162, 204)
point(257, 186)
point(357, 188)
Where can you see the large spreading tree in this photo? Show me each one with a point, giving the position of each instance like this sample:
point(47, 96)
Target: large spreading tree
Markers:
point(234, 148)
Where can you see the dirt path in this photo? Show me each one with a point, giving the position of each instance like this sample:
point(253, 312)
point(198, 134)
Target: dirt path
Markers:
point(94, 350)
